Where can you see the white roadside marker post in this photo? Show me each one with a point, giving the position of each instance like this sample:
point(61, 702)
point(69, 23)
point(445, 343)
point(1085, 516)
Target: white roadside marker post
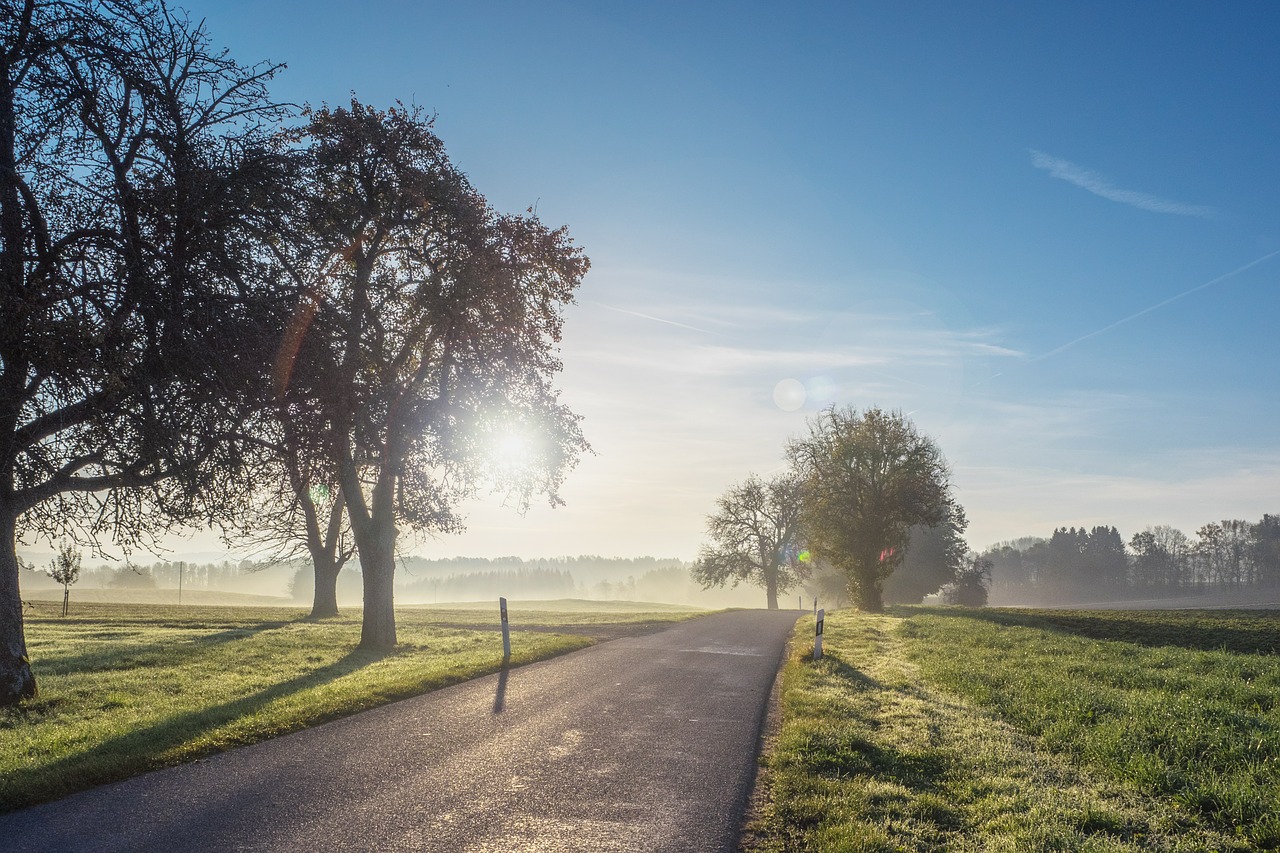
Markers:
point(817, 634)
point(506, 631)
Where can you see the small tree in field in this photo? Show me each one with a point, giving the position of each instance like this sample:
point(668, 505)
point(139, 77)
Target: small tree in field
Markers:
point(65, 569)
point(754, 532)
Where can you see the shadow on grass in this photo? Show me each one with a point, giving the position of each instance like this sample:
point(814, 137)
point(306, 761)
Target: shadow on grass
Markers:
point(119, 654)
point(1239, 631)
point(843, 670)
point(922, 772)
point(144, 748)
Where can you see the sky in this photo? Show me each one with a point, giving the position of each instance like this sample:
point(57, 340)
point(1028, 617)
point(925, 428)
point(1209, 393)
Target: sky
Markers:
point(1048, 232)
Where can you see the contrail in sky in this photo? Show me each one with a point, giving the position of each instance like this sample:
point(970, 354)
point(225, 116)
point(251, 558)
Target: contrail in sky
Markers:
point(655, 319)
point(1168, 301)
point(1087, 179)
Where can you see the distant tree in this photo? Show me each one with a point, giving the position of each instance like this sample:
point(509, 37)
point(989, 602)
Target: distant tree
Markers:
point(1017, 568)
point(969, 589)
point(869, 478)
point(134, 180)
point(1237, 568)
point(1086, 563)
point(292, 513)
point(1150, 569)
point(297, 505)
point(132, 577)
point(934, 556)
point(431, 324)
point(754, 538)
point(1175, 548)
point(1105, 562)
point(1210, 553)
point(1265, 550)
point(1065, 563)
point(65, 569)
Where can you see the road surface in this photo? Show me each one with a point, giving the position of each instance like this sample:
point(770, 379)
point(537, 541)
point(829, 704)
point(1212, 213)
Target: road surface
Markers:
point(640, 744)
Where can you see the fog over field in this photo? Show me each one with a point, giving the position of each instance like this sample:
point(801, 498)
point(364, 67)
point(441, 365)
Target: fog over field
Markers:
point(418, 581)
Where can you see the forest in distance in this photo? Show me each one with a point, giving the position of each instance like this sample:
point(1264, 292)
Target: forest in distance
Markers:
point(418, 580)
point(1073, 565)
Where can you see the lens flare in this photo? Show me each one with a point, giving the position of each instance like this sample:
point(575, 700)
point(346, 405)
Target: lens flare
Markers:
point(789, 395)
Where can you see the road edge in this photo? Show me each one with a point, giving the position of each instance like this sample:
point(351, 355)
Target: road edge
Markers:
point(770, 726)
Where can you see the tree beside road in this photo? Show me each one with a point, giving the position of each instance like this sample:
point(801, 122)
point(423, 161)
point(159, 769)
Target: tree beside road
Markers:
point(134, 176)
point(209, 317)
point(755, 532)
point(865, 491)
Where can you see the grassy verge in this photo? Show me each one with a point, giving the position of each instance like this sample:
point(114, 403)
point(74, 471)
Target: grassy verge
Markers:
point(873, 754)
point(127, 688)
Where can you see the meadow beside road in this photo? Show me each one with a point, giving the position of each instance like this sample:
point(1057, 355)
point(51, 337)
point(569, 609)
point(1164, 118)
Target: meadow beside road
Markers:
point(1019, 730)
point(126, 688)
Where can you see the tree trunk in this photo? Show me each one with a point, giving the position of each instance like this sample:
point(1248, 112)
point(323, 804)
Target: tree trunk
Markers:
point(16, 680)
point(867, 588)
point(324, 604)
point(377, 565)
point(771, 588)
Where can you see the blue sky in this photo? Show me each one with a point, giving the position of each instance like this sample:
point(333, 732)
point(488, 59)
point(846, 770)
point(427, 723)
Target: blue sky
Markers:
point(939, 207)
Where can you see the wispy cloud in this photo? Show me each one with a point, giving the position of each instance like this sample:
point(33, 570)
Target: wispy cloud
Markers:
point(1095, 183)
point(1160, 304)
point(654, 319)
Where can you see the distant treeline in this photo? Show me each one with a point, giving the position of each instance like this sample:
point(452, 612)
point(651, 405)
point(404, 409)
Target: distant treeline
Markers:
point(420, 580)
point(586, 567)
point(238, 576)
point(424, 581)
point(1079, 564)
point(473, 586)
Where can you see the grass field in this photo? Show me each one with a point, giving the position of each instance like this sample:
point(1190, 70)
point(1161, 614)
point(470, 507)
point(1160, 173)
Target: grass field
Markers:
point(948, 729)
point(127, 688)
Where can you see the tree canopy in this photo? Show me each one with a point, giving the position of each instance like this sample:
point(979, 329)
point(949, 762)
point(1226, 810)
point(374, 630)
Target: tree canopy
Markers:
point(426, 333)
point(869, 477)
point(934, 557)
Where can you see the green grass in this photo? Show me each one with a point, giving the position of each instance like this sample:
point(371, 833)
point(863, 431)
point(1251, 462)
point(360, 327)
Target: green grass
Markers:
point(1184, 705)
point(918, 731)
point(127, 688)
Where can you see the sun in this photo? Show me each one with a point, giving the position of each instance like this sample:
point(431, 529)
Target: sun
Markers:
point(512, 448)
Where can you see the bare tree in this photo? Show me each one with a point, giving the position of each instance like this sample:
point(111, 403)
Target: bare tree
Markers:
point(131, 185)
point(755, 538)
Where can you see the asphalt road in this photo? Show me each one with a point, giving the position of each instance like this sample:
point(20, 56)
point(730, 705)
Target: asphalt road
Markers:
point(640, 744)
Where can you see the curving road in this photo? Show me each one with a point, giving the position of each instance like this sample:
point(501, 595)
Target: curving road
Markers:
point(640, 744)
